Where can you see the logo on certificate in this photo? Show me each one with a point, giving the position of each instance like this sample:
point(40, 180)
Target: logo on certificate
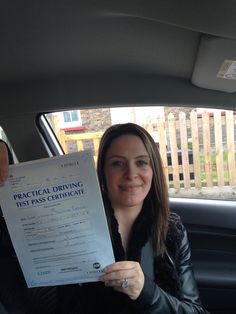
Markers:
point(96, 265)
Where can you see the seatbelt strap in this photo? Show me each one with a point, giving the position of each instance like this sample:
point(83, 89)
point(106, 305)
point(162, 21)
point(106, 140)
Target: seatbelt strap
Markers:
point(147, 260)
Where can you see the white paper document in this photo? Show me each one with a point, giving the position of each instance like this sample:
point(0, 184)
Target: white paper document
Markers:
point(55, 216)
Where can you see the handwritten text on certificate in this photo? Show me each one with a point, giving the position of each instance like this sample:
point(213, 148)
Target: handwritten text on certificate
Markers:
point(56, 219)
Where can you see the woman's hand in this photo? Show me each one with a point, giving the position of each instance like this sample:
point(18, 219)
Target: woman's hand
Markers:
point(126, 277)
point(3, 162)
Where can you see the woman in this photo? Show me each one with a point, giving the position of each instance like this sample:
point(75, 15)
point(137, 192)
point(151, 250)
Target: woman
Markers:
point(153, 271)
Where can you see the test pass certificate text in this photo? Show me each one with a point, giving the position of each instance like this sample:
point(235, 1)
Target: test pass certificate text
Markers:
point(56, 220)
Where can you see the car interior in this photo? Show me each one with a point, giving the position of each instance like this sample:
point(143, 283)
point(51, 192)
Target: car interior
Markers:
point(79, 55)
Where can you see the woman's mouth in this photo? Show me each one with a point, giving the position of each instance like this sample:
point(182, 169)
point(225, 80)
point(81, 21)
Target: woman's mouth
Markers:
point(129, 188)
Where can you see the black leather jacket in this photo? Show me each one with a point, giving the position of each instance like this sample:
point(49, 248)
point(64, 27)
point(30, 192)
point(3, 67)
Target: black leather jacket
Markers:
point(153, 299)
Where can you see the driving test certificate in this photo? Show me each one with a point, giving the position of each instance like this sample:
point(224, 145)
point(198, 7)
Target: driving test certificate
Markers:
point(56, 219)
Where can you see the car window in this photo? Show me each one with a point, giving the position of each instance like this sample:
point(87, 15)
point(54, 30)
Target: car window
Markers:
point(197, 145)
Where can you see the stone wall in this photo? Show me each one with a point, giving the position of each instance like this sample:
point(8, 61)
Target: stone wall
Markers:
point(96, 120)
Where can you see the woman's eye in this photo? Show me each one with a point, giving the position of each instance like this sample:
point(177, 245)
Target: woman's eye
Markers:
point(118, 164)
point(142, 163)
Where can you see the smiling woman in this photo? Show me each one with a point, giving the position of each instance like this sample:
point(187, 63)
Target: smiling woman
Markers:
point(136, 203)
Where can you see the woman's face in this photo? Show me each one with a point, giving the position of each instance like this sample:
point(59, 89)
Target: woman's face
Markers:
point(128, 172)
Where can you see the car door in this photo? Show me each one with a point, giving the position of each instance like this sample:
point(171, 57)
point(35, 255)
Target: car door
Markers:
point(211, 226)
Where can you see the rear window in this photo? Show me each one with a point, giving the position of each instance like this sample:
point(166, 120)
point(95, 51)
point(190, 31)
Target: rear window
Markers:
point(197, 145)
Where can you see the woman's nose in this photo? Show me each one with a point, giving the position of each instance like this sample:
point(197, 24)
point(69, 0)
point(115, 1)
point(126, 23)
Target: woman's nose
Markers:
point(131, 171)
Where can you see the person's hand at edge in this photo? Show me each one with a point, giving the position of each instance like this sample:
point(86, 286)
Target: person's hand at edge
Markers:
point(4, 162)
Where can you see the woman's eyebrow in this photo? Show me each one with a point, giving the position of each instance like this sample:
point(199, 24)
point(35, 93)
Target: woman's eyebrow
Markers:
point(123, 157)
point(142, 156)
point(116, 156)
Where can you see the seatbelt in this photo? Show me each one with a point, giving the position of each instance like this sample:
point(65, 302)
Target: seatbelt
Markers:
point(147, 260)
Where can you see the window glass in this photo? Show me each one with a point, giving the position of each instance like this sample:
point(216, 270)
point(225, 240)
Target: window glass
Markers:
point(66, 116)
point(197, 145)
point(74, 115)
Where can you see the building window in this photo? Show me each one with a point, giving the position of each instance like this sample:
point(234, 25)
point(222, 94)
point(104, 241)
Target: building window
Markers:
point(71, 116)
point(70, 119)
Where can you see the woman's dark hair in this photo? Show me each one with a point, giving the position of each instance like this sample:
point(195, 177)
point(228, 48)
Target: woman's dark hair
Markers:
point(157, 197)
